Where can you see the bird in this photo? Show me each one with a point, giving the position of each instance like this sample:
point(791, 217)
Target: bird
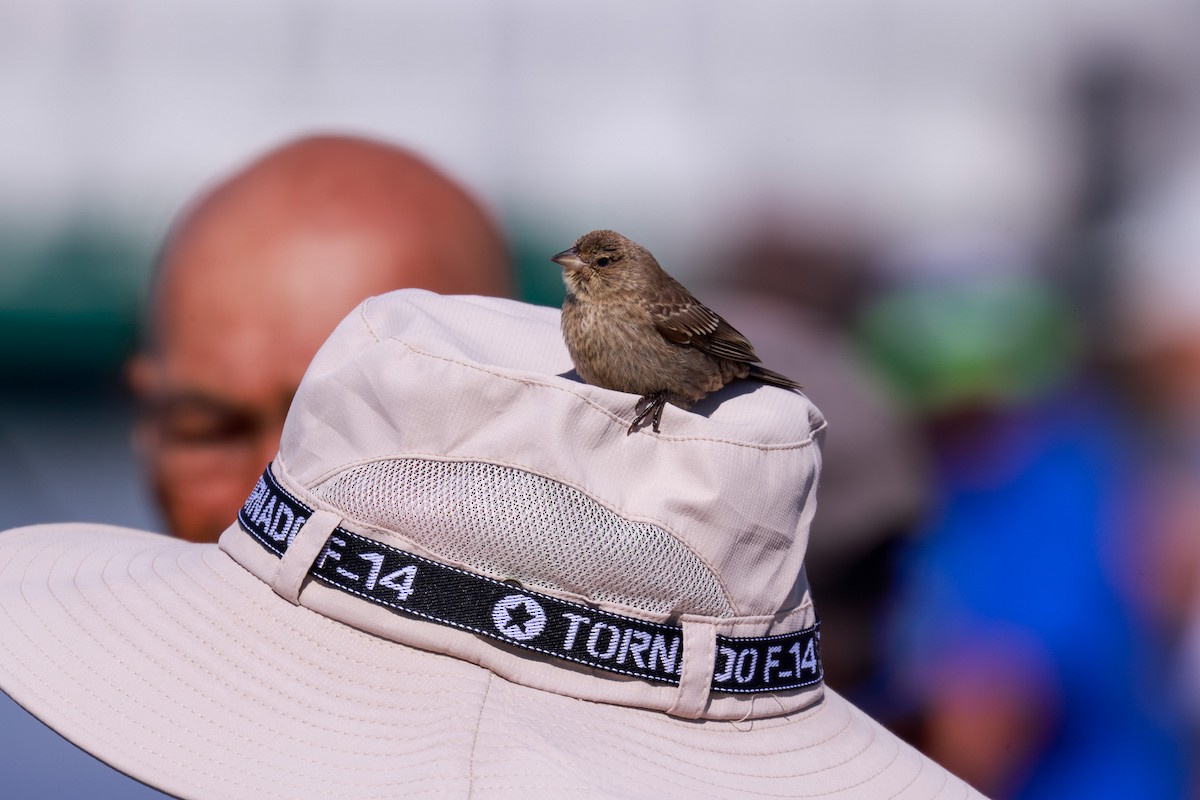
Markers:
point(630, 326)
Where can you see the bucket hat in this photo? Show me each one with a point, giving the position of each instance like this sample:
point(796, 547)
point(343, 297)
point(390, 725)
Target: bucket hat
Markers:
point(460, 577)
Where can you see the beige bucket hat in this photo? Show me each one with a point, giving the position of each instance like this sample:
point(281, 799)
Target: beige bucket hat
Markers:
point(461, 578)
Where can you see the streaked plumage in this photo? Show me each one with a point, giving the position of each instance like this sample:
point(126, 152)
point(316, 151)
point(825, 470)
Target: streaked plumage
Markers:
point(630, 326)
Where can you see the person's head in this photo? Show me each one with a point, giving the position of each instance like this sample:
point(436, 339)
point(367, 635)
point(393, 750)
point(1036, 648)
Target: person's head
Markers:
point(252, 279)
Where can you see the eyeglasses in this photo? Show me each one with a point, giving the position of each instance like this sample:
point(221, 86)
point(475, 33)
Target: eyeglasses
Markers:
point(195, 432)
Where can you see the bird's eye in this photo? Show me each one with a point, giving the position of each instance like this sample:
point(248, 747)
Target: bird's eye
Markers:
point(603, 261)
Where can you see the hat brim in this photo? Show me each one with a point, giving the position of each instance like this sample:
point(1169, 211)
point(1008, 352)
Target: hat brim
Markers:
point(176, 666)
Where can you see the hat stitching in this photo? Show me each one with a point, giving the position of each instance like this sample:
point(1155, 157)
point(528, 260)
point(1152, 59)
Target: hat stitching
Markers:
point(238, 667)
point(922, 769)
point(296, 632)
point(795, 719)
point(487, 690)
point(797, 445)
point(558, 723)
point(912, 781)
point(866, 746)
point(379, 338)
point(709, 729)
point(616, 744)
point(669, 763)
point(255, 680)
point(357, 662)
point(131, 758)
point(117, 711)
point(315, 664)
point(812, 773)
point(362, 313)
point(103, 723)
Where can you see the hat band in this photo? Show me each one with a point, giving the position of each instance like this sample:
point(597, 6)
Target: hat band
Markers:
point(505, 611)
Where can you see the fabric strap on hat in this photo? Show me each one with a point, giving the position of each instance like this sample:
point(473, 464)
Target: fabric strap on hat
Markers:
point(505, 611)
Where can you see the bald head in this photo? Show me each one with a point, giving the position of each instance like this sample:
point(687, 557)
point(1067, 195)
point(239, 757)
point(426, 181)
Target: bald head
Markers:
point(253, 278)
point(333, 214)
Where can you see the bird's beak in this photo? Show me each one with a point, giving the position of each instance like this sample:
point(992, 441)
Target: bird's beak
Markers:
point(569, 259)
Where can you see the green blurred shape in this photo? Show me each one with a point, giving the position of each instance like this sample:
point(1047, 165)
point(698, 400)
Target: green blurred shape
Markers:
point(991, 340)
point(69, 303)
point(539, 280)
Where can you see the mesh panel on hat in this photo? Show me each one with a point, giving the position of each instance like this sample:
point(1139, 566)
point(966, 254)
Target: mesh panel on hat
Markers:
point(514, 524)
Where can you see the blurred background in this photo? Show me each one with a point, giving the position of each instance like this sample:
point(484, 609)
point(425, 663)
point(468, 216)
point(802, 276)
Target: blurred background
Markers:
point(968, 228)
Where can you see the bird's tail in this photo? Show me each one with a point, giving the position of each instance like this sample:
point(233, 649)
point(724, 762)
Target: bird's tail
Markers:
point(774, 378)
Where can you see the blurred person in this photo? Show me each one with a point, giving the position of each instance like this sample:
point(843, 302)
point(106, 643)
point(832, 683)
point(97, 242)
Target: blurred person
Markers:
point(253, 277)
point(1029, 662)
point(1156, 345)
point(1156, 342)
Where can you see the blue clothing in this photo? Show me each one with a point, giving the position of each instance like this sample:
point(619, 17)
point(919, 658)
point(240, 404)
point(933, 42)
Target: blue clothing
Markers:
point(1038, 514)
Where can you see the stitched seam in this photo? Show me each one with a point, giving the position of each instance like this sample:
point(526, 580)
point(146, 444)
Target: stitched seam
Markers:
point(362, 313)
point(487, 691)
point(614, 417)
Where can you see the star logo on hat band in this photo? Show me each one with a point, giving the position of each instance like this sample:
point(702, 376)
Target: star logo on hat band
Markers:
point(519, 617)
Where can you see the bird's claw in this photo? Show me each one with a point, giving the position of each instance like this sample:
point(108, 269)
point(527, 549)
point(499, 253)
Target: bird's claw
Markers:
point(649, 407)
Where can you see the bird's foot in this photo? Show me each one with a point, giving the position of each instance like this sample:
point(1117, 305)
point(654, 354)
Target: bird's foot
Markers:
point(650, 407)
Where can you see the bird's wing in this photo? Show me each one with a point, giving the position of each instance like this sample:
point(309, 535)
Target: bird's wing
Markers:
point(727, 342)
point(684, 320)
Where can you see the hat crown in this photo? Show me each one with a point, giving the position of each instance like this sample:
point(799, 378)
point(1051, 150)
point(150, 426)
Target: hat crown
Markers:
point(456, 426)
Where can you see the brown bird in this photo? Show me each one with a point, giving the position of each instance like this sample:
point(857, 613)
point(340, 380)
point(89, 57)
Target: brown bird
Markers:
point(630, 326)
